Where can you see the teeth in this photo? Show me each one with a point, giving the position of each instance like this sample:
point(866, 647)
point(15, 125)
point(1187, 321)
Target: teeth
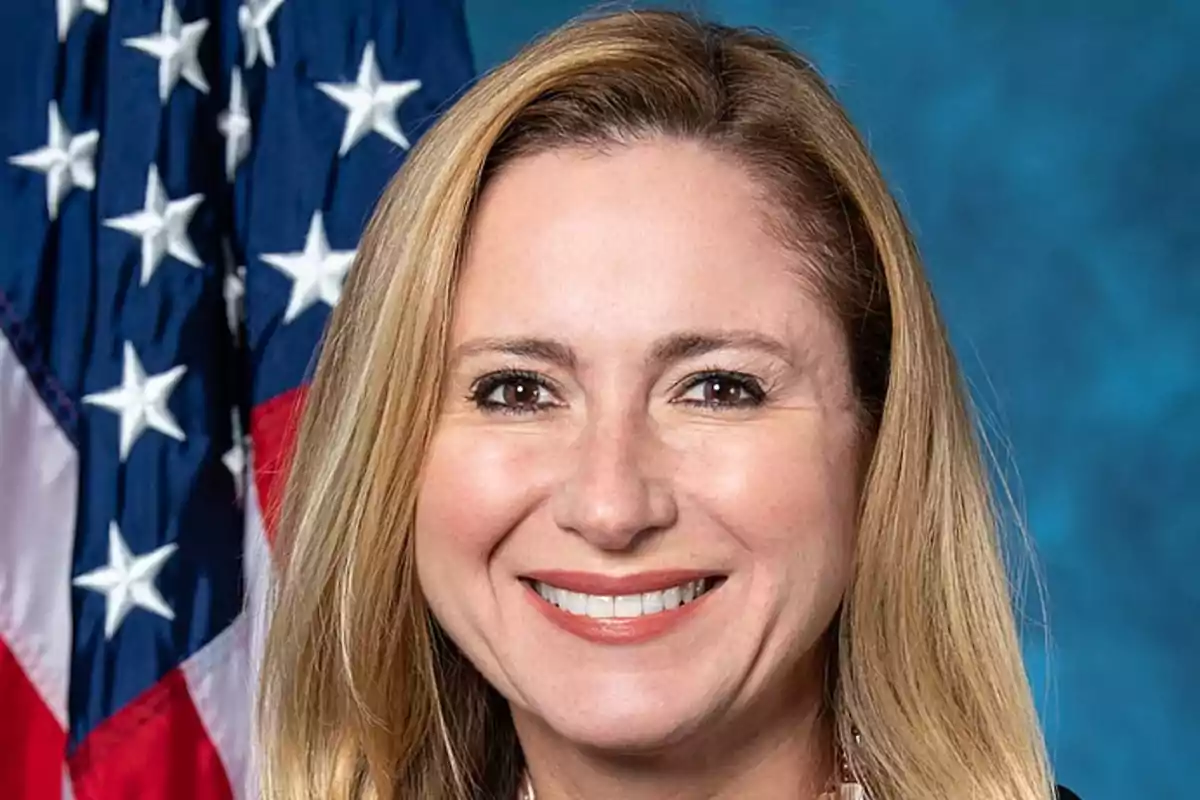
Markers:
point(599, 606)
point(689, 592)
point(652, 602)
point(623, 606)
point(576, 603)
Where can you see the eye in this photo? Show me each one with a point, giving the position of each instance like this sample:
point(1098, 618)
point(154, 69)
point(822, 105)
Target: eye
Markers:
point(512, 392)
point(720, 389)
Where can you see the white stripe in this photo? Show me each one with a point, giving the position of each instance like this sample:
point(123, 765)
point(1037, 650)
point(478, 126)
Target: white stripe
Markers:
point(39, 486)
point(222, 676)
point(218, 678)
point(260, 572)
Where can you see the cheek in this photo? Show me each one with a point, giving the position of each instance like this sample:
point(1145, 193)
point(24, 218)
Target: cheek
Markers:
point(786, 489)
point(475, 488)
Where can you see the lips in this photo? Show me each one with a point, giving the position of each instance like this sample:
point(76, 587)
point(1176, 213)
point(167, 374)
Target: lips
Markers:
point(639, 583)
point(620, 610)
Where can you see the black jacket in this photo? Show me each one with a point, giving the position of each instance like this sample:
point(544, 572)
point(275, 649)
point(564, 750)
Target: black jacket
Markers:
point(1066, 794)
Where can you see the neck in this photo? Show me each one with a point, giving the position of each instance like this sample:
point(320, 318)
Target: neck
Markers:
point(775, 751)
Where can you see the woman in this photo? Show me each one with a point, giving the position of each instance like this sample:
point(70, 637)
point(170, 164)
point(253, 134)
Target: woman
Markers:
point(637, 465)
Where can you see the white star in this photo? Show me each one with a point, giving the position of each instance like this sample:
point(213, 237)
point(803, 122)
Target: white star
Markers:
point(235, 458)
point(128, 581)
point(66, 161)
point(234, 124)
point(317, 272)
point(235, 291)
point(141, 401)
point(69, 9)
point(161, 225)
point(253, 18)
point(235, 461)
point(370, 103)
point(175, 46)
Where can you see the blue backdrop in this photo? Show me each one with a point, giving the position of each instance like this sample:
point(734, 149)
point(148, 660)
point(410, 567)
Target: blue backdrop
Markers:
point(1046, 153)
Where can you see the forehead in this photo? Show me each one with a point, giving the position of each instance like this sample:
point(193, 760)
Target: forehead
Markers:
point(628, 243)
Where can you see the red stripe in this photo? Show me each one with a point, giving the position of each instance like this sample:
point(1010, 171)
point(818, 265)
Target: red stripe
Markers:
point(31, 742)
point(273, 431)
point(153, 749)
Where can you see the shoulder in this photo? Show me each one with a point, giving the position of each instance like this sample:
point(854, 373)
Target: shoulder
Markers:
point(1066, 794)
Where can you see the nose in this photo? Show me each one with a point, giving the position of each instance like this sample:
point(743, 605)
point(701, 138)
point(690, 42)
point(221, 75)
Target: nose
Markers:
point(610, 498)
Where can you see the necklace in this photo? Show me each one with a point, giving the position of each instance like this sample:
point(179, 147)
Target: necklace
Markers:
point(843, 786)
point(847, 788)
point(844, 791)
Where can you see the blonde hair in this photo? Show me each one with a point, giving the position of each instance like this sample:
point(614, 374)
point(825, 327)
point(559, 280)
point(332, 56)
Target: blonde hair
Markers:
point(363, 697)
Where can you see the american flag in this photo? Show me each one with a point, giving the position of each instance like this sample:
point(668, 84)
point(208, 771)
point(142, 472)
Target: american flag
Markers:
point(182, 185)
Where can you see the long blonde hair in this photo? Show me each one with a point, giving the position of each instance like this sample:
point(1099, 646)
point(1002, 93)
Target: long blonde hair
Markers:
point(363, 697)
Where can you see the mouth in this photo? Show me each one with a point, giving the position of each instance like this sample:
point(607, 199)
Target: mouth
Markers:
point(625, 606)
point(627, 610)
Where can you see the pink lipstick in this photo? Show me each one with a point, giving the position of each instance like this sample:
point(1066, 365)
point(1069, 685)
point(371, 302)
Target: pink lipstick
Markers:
point(628, 609)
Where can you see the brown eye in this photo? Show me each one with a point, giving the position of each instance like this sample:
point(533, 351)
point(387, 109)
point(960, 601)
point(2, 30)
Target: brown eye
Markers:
point(723, 390)
point(512, 392)
point(517, 392)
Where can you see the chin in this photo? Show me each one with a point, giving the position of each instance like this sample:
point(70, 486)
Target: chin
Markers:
point(628, 734)
point(629, 716)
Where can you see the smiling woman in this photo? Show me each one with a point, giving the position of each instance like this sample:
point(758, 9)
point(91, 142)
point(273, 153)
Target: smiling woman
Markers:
point(637, 465)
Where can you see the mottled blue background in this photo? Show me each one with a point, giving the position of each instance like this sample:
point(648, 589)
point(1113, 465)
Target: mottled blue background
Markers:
point(1046, 153)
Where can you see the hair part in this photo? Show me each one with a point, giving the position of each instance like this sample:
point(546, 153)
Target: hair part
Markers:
point(362, 695)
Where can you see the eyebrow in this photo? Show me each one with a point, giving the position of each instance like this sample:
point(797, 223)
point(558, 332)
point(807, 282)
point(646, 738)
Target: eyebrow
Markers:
point(667, 350)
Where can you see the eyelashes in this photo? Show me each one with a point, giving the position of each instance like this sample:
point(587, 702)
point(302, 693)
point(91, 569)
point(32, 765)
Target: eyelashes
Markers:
point(512, 391)
point(522, 392)
point(722, 389)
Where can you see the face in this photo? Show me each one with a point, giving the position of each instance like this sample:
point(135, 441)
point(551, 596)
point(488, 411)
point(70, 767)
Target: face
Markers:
point(637, 512)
